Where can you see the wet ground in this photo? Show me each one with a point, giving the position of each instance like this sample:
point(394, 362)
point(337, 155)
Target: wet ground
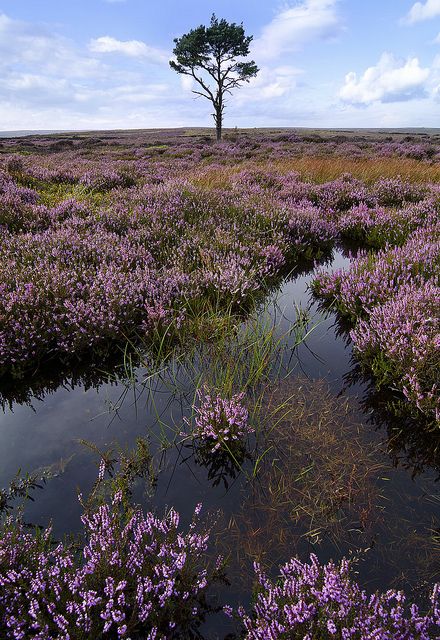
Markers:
point(389, 516)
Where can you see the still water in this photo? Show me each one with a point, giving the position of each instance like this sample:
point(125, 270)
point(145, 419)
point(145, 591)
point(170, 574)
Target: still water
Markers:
point(396, 533)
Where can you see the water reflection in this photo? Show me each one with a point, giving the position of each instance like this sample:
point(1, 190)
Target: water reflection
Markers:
point(367, 482)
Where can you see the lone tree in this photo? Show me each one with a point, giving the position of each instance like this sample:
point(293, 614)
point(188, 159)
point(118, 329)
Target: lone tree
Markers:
point(209, 55)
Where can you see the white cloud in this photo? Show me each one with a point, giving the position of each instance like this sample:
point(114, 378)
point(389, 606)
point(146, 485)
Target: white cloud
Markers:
point(281, 81)
point(51, 82)
point(289, 31)
point(391, 80)
point(422, 11)
point(187, 83)
point(269, 84)
point(32, 45)
point(32, 82)
point(294, 26)
point(131, 48)
point(47, 81)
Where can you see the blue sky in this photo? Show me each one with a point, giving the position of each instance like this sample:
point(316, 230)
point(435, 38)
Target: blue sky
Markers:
point(102, 64)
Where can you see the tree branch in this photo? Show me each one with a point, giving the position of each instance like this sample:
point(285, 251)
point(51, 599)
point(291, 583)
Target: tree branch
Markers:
point(199, 93)
point(213, 52)
point(202, 84)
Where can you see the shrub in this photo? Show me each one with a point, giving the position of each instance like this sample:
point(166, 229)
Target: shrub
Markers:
point(135, 575)
point(311, 601)
point(220, 422)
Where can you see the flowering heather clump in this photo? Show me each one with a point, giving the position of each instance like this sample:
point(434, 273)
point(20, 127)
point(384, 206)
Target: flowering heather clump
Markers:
point(401, 340)
point(274, 258)
point(220, 422)
point(396, 192)
point(392, 299)
point(18, 207)
point(358, 220)
point(308, 227)
point(374, 278)
point(342, 194)
point(379, 226)
point(136, 574)
point(103, 180)
point(310, 601)
point(78, 276)
point(100, 242)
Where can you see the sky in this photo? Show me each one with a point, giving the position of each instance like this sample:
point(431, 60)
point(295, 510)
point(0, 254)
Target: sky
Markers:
point(104, 64)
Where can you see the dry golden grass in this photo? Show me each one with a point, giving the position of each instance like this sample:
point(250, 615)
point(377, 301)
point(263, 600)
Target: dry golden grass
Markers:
point(321, 169)
point(324, 168)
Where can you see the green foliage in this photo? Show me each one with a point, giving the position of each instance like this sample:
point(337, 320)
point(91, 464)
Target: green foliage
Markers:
point(209, 55)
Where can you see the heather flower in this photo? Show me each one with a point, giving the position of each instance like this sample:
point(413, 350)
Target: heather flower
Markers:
point(396, 191)
point(391, 298)
point(99, 247)
point(405, 331)
point(313, 600)
point(134, 573)
point(220, 423)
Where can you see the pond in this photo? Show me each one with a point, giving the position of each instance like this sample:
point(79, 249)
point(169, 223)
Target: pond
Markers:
point(350, 486)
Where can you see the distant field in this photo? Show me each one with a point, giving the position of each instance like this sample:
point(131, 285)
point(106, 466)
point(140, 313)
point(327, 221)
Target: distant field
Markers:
point(252, 325)
point(317, 154)
point(369, 132)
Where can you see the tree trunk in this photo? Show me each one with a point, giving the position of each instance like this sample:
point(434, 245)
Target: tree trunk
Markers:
point(218, 123)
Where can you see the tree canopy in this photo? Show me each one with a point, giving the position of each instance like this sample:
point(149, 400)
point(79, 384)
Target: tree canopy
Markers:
point(211, 56)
